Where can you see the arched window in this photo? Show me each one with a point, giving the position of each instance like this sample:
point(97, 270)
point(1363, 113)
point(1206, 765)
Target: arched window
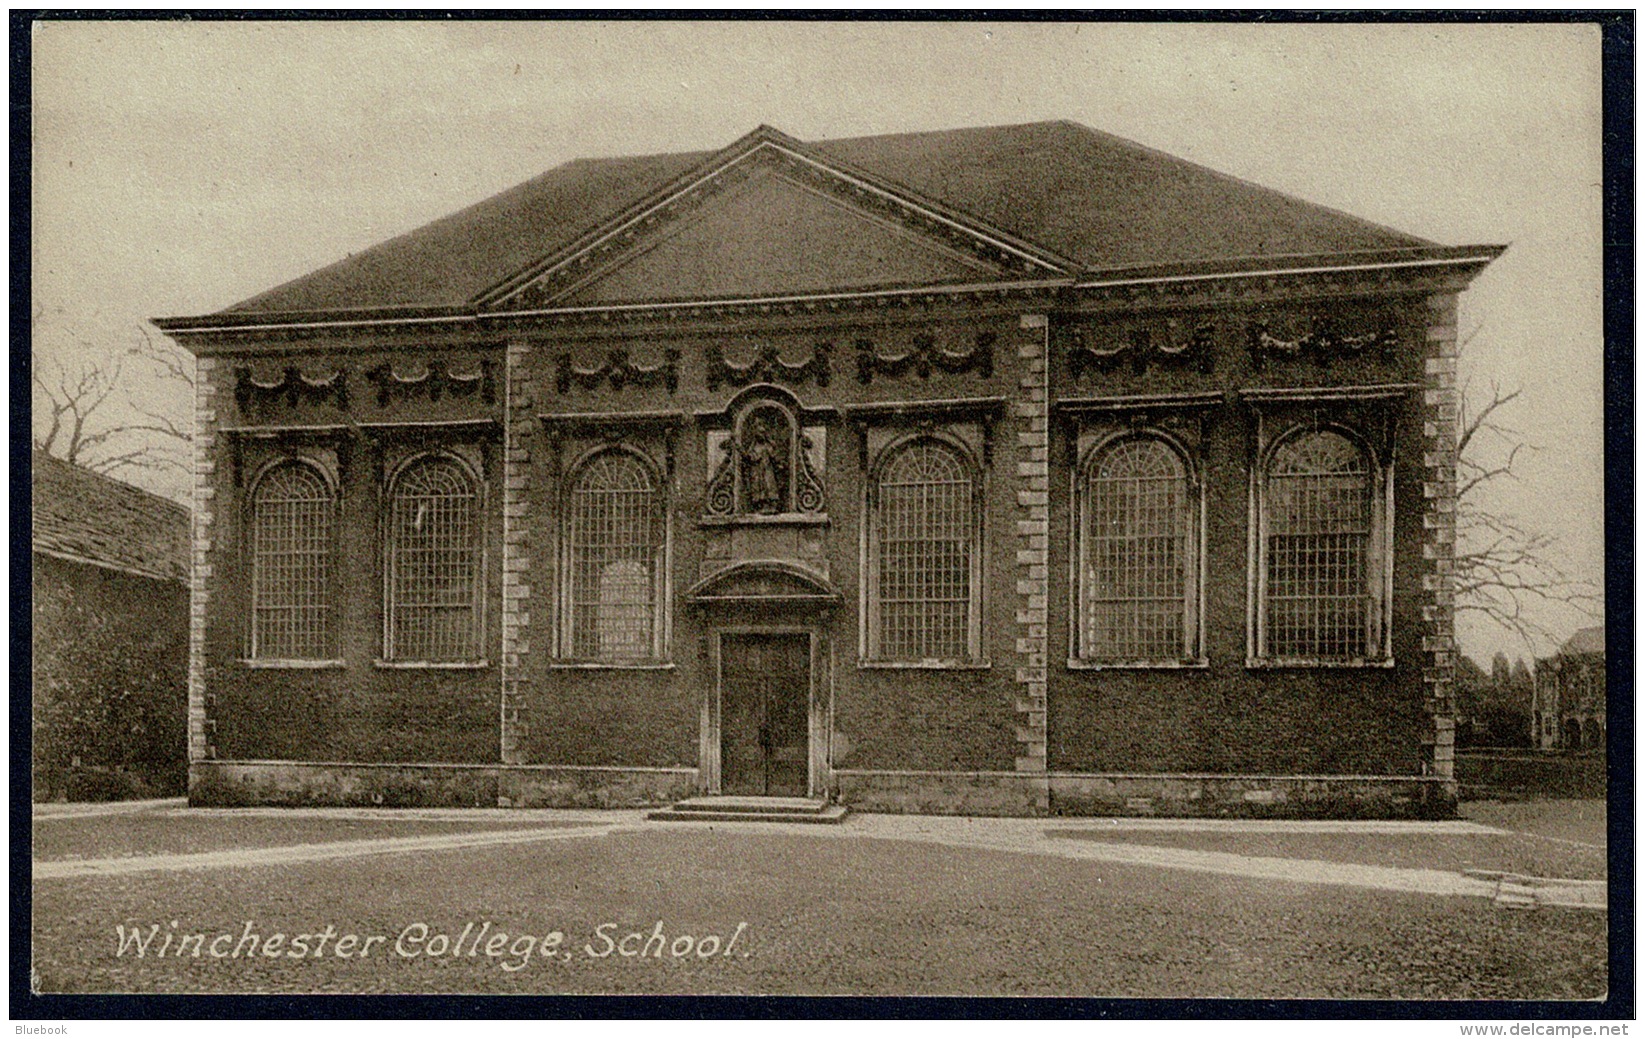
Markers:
point(923, 557)
point(433, 559)
point(615, 561)
point(1138, 556)
point(1320, 572)
point(293, 517)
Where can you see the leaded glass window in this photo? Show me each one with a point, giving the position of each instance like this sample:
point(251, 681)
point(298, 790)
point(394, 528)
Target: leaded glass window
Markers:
point(1136, 556)
point(924, 549)
point(616, 542)
point(1317, 528)
point(293, 514)
point(433, 558)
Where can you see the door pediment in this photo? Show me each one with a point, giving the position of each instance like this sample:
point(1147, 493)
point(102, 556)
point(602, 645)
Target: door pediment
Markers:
point(764, 582)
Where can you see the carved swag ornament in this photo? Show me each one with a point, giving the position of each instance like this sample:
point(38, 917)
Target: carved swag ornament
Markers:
point(617, 372)
point(1323, 344)
point(1102, 349)
point(923, 357)
point(291, 386)
point(768, 366)
point(436, 379)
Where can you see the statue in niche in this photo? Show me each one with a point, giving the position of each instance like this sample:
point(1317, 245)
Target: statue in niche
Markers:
point(764, 446)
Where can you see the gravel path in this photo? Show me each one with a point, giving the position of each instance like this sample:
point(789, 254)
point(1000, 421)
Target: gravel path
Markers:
point(1021, 836)
point(303, 853)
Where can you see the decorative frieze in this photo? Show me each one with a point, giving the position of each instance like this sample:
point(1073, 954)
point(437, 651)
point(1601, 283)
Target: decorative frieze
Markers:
point(293, 386)
point(617, 372)
point(768, 366)
point(925, 356)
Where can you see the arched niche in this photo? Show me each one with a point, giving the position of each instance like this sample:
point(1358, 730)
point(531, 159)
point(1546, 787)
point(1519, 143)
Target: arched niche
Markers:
point(767, 456)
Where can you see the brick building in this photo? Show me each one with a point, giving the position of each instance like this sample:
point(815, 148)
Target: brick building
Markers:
point(1568, 695)
point(1007, 470)
point(110, 641)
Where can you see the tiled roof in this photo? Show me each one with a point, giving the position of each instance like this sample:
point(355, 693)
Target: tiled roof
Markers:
point(1102, 201)
point(91, 518)
point(1586, 640)
point(1107, 202)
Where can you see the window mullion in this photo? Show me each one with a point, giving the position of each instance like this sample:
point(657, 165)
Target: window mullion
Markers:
point(616, 546)
point(923, 557)
point(292, 548)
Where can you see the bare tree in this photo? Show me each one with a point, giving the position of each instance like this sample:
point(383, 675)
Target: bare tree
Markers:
point(1502, 567)
point(99, 412)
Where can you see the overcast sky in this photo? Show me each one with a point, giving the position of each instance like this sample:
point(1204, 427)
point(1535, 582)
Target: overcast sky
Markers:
point(182, 167)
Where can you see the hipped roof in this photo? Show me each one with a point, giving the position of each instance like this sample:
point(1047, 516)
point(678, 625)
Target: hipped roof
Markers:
point(1102, 202)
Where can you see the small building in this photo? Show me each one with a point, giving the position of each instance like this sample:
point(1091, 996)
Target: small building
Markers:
point(1568, 695)
point(110, 648)
point(1017, 469)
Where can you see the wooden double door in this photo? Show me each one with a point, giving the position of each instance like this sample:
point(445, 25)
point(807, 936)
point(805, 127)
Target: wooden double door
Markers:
point(765, 714)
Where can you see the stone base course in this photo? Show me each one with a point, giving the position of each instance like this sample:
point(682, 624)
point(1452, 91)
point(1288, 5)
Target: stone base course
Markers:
point(294, 784)
point(221, 784)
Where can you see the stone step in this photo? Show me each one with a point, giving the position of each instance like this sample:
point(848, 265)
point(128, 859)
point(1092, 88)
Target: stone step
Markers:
point(826, 815)
point(1515, 896)
point(1518, 891)
point(757, 805)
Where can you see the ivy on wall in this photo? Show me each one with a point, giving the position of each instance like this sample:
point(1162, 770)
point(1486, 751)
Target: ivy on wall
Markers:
point(110, 684)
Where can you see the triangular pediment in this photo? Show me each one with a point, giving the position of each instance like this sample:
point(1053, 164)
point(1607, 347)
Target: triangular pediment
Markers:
point(770, 237)
point(767, 219)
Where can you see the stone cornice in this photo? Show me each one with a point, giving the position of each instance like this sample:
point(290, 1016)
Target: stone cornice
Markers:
point(1426, 271)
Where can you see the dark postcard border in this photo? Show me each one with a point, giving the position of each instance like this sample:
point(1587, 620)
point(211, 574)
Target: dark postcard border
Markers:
point(1617, 42)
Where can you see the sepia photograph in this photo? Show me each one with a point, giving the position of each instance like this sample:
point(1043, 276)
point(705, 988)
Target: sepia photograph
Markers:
point(817, 507)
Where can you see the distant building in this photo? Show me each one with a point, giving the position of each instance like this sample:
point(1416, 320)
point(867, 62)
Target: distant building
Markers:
point(1005, 470)
point(1568, 697)
point(110, 612)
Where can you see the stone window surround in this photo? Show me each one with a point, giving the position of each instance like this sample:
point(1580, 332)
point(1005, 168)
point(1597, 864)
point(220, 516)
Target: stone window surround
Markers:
point(651, 435)
point(322, 462)
point(957, 437)
point(318, 445)
point(1108, 438)
point(395, 467)
point(1277, 423)
point(661, 579)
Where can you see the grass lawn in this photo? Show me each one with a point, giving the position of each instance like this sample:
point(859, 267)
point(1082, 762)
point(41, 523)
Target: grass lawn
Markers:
point(822, 915)
point(156, 833)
